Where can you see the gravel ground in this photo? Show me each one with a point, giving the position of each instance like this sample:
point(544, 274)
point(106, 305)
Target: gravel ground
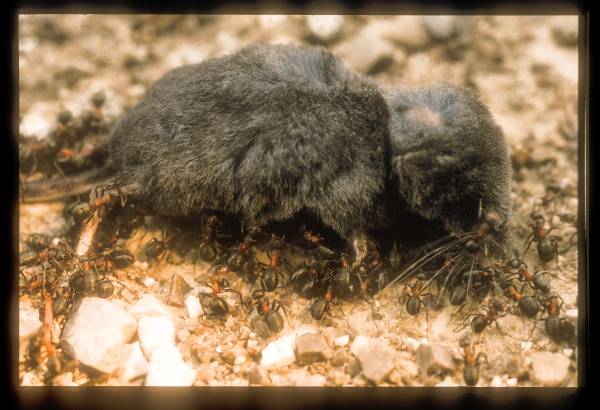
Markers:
point(525, 69)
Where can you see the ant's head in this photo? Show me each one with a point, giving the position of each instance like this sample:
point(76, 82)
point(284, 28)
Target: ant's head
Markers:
point(450, 157)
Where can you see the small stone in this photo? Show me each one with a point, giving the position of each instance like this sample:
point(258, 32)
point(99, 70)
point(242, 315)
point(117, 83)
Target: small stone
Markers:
point(447, 382)
point(341, 341)
point(149, 281)
point(134, 364)
point(179, 288)
point(572, 315)
point(167, 368)
point(155, 331)
point(376, 357)
point(31, 379)
point(339, 378)
point(434, 358)
point(193, 307)
point(512, 382)
point(325, 28)
point(566, 33)
point(235, 356)
point(258, 375)
point(408, 31)
point(312, 348)
point(185, 55)
point(269, 21)
point(549, 369)
point(29, 325)
point(367, 52)
point(568, 352)
point(182, 334)
point(411, 344)
point(525, 346)
point(96, 335)
point(148, 305)
point(496, 382)
point(280, 352)
point(203, 353)
point(313, 380)
point(353, 366)
point(440, 27)
point(340, 357)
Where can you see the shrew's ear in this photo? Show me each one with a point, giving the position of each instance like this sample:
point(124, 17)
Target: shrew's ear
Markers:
point(449, 155)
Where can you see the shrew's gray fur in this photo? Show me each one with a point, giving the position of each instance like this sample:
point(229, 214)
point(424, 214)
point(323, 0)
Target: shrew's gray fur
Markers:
point(272, 130)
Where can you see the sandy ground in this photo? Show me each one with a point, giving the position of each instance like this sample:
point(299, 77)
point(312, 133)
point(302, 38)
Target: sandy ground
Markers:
point(523, 68)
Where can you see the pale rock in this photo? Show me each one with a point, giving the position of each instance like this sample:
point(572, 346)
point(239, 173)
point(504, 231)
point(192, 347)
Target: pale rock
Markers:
point(270, 21)
point(149, 305)
point(258, 375)
point(325, 27)
point(185, 55)
point(134, 363)
point(368, 51)
point(411, 344)
point(97, 334)
point(408, 31)
point(312, 348)
point(549, 369)
point(447, 382)
point(434, 358)
point(64, 380)
point(311, 380)
point(193, 307)
point(441, 27)
point(29, 325)
point(167, 368)
point(496, 382)
point(512, 382)
point(279, 352)
point(341, 341)
point(155, 331)
point(31, 379)
point(376, 357)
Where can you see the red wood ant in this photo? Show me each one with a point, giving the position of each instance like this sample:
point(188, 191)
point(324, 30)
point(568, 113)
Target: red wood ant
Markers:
point(547, 246)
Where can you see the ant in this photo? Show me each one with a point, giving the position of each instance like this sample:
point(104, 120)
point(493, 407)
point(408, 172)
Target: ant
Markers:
point(471, 361)
point(307, 280)
point(270, 312)
point(270, 274)
point(217, 285)
point(207, 251)
point(527, 304)
point(537, 280)
point(558, 328)
point(547, 247)
point(315, 242)
point(414, 302)
point(154, 249)
point(495, 310)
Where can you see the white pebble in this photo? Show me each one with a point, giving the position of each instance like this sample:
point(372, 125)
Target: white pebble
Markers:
point(496, 381)
point(97, 333)
point(193, 306)
point(149, 281)
point(155, 331)
point(572, 314)
point(568, 352)
point(342, 340)
point(280, 352)
point(326, 28)
point(512, 382)
point(411, 344)
point(148, 305)
point(134, 365)
point(525, 346)
point(167, 368)
point(269, 21)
